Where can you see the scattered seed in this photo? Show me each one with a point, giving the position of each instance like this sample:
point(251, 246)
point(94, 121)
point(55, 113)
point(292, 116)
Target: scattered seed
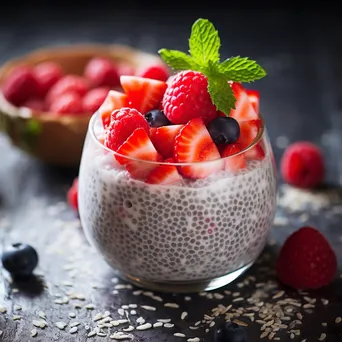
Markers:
point(34, 332)
point(324, 324)
point(197, 323)
point(73, 330)
point(171, 305)
point(97, 317)
point(74, 324)
point(71, 315)
point(157, 298)
point(278, 294)
point(17, 307)
point(144, 326)
point(133, 312)
point(121, 312)
point(120, 336)
point(158, 324)
point(218, 296)
point(115, 292)
point(61, 325)
point(292, 336)
point(211, 324)
point(324, 301)
point(101, 334)
point(2, 309)
point(164, 320)
point(193, 328)
point(149, 308)
point(264, 334)
point(238, 299)
point(322, 337)
point(123, 287)
point(141, 320)
point(195, 339)
point(91, 333)
point(16, 317)
point(184, 315)
point(240, 323)
point(90, 307)
point(187, 298)
point(15, 290)
point(137, 293)
point(338, 320)
point(125, 307)
point(271, 335)
point(129, 328)
point(118, 322)
point(179, 335)
point(169, 325)
point(133, 306)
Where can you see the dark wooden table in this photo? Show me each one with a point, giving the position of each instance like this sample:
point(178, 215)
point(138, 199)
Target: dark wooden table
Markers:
point(301, 100)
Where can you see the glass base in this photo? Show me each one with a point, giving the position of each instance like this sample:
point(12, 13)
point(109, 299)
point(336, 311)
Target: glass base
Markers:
point(186, 287)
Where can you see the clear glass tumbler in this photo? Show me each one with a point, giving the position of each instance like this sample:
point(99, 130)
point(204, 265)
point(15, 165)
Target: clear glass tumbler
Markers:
point(192, 236)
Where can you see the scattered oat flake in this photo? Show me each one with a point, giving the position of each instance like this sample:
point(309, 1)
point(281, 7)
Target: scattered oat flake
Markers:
point(141, 320)
point(322, 337)
point(238, 299)
point(133, 306)
point(118, 322)
point(16, 317)
point(164, 320)
point(212, 324)
point(149, 308)
point(179, 335)
point(121, 312)
point(101, 334)
point(61, 325)
point(144, 326)
point(137, 293)
point(278, 294)
point(34, 332)
point(15, 290)
point(324, 301)
point(195, 339)
point(264, 334)
point(119, 335)
point(169, 325)
point(184, 315)
point(171, 305)
point(158, 324)
point(157, 298)
point(91, 333)
point(2, 309)
point(73, 330)
point(123, 286)
point(90, 307)
point(133, 312)
point(129, 328)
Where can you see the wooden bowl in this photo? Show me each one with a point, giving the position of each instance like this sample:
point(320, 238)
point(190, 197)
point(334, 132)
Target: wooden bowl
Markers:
point(58, 140)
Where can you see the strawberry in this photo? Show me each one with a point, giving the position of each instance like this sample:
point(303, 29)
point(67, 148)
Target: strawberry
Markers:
point(143, 94)
point(193, 144)
point(138, 146)
point(114, 100)
point(157, 72)
point(248, 132)
point(20, 86)
point(47, 74)
point(244, 109)
point(306, 260)
point(126, 69)
point(92, 101)
point(164, 174)
point(233, 163)
point(254, 98)
point(72, 195)
point(35, 104)
point(163, 139)
point(102, 72)
point(257, 152)
point(69, 103)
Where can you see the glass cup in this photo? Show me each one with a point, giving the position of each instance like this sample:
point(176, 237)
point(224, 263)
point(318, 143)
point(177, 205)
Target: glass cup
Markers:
point(192, 236)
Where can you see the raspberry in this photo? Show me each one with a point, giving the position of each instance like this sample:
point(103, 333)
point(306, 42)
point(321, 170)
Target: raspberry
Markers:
point(102, 73)
point(92, 101)
point(72, 195)
point(187, 98)
point(124, 121)
point(20, 86)
point(306, 260)
point(35, 104)
point(69, 83)
point(302, 165)
point(156, 72)
point(47, 74)
point(70, 103)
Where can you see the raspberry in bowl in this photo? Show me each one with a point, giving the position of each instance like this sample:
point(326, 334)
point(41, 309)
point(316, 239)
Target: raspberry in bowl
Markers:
point(176, 196)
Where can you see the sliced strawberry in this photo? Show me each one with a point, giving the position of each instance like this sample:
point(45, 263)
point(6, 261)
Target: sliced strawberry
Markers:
point(255, 153)
point(193, 144)
point(248, 132)
point(254, 98)
point(233, 163)
point(243, 108)
point(143, 94)
point(163, 139)
point(114, 100)
point(138, 146)
point(164, 174)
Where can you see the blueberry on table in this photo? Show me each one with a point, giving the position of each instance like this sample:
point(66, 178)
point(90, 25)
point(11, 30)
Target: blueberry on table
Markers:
point(224, 130)
point(19, 260)
point(156, 118)
point(230, 332)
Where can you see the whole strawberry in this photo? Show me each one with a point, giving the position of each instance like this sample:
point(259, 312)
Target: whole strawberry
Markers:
point(306, 260)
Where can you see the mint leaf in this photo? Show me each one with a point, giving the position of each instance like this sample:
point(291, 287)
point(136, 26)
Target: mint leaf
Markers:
point(178, 60)
point(221, 94)
point(204, 42)
point(241, 69)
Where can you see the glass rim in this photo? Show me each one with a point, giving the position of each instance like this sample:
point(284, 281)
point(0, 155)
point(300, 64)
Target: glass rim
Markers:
point(256, 140)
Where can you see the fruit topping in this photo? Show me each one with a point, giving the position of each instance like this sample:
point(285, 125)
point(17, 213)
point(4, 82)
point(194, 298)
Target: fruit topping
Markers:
point(224, 130)
point(257, 152)
point(233, 163)
point(302, 165)
point(156, 118)
point(20, 86)
point(35, 104)
point(138, 146)
point(164, 174)
point(19, 260)
point(144, 94)
point(187, 98)
point(248, 132)
point(123, 123)
point(114, 100)
point(306, 260)
point(72, 195)
point(254, 98)
point(47, 74)
point(230, 332)
point(69, 103)
point(92, 101)
point(163, 138)
point(193, 144)
point(102, 72)
point(157, 72)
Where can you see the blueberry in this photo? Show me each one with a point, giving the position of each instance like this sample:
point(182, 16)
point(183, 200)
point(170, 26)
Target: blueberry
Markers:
point(156, 118)
point(224, 130)
point(19, 259)
point(230, 332)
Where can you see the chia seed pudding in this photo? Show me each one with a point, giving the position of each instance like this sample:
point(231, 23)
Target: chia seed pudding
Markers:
point(200, 229)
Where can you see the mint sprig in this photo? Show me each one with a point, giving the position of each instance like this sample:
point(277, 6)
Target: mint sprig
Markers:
point(204, 56)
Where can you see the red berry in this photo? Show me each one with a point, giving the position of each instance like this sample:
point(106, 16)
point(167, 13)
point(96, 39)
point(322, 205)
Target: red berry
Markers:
point(69, 103)
point(164, 174)
point(102, 72)
point(233, 163)
point(35, 104)
point(92, 101)
point(302, 165)
point(67, 84)
point(157, 72)
point(187, 98)
point(47, 74)
point(193, 144)
point(123, 123)
point(20, 86)
point(254, 98)
point(72, 195)
point(139, 146)
point(248, 132)
point(306, 260)
point(126, 69)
